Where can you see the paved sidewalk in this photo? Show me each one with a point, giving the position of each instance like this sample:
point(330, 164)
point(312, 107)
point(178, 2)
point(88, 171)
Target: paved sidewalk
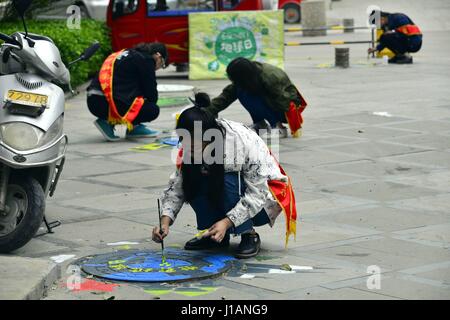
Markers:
point(26, 278)
point(371, 175)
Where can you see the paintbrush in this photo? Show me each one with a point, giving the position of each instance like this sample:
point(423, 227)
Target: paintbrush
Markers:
point(163, 257)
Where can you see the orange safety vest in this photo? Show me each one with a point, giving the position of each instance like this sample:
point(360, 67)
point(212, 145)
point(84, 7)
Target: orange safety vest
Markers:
point(409, 30)
point(281, 191)
point(106, 82)
point(294, 115)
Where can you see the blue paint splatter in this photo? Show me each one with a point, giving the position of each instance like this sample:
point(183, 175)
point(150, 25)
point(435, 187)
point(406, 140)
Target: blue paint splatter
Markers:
point(217, 262)
point(145, 277)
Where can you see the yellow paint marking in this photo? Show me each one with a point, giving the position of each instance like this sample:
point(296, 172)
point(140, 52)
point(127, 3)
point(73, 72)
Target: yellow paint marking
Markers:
point(157, 292)
point(201, 233)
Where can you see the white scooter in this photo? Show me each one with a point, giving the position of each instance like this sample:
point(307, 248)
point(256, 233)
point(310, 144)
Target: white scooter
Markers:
point(32, 142)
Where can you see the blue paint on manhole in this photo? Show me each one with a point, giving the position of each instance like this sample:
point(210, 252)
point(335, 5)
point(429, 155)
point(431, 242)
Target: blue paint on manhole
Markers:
point(146, 265)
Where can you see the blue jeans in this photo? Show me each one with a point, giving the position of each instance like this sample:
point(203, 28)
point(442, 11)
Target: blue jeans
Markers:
point(207, 215)
point(258, 108)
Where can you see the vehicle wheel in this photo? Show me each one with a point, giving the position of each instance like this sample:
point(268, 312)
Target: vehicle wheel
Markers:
point(292, 13)
point(84, 12)
point(26, 202)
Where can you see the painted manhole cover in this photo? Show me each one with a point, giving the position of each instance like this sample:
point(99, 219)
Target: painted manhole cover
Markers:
point(146, 265)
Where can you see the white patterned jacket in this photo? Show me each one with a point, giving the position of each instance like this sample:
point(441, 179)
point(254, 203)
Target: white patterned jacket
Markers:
point(244, 152)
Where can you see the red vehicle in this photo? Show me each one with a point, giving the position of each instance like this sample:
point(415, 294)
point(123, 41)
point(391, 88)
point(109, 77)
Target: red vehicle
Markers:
point(292, 13)
point(166, 21)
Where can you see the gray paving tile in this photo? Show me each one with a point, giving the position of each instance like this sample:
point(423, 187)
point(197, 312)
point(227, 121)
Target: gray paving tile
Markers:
point(382, 218)
point(433, 235)
point(436, 203)
point(409, 290)
point(308, 158)
point(368, 118)
point(90, 167)
point(136, 179)
point(438, 179)
point(119, 202)
point(112, 230)
point(425, 141)
point(69, 189)
point(381, 191)
point(432, 159)
point(368, 257)
point(374, 149)
point(376, 168)
point(336, 294)
point(434, 126)
point(374, 133)
point(426, 253)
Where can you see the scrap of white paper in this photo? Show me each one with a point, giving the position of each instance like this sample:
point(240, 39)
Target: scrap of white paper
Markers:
point(61, 258)
point(247, 276)
point(121, 243)
point(301, 267)
point(174, 88)
point(382, 114)
point(279, 271)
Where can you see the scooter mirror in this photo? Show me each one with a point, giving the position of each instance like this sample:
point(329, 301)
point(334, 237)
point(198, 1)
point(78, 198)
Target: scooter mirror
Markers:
point(89, 52)
point(21, 6)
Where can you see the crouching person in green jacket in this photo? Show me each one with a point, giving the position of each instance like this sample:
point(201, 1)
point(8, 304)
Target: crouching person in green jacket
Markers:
point(266, 92)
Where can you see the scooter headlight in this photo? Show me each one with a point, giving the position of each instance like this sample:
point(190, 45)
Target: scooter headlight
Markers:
point(23, 136)
point(53, 133)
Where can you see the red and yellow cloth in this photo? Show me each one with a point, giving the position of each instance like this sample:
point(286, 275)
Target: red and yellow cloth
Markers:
point(294, 116)
point(409, 30)
point(106, 82)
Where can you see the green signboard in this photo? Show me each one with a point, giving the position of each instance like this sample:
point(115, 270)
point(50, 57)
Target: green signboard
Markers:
point(216, 38)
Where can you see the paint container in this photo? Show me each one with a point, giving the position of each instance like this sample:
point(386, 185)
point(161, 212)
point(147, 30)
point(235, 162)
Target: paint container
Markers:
point(348, 23)
point(342, 57)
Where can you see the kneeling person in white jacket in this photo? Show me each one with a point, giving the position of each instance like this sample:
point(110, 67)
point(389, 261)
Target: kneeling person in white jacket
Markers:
point(226, 180)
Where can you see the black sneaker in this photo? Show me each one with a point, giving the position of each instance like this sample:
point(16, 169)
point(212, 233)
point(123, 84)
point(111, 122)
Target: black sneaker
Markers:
point(261, 127)
point(405, 60)
point(205, 244)
point(401, 59)
point(249, 246)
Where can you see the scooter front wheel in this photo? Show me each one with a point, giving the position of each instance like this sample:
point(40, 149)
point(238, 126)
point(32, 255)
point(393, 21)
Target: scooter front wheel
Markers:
point(25, 200)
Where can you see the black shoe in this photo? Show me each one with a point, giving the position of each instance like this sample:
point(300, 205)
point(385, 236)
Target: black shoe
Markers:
point(405, 60)
point(260, 127)
point(401, 59)
point(249, 246)
point(205, 244)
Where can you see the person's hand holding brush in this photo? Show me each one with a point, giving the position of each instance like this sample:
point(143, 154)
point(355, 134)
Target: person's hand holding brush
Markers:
point(158, 234)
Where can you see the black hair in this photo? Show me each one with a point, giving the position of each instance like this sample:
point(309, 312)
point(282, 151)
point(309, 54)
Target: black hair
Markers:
point(245, 74)
point(192, 172)
point(153, 48)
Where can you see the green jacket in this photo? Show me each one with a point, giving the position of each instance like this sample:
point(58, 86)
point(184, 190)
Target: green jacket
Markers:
point(278, 91)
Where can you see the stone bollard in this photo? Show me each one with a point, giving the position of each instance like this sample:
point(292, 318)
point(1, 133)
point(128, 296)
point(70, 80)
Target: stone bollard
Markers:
point(347, 23)
point(342, 57)
point(314, 16)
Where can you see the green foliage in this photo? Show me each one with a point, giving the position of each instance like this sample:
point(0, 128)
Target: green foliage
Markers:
point(71, 43)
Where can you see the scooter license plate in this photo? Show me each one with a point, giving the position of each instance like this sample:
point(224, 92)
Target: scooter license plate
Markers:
point(27, 98)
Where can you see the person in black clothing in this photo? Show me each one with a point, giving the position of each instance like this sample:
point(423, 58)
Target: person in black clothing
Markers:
point(401, 36)
point(133, 77)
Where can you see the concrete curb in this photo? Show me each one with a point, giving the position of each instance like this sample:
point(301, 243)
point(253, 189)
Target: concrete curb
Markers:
point(26, 278)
